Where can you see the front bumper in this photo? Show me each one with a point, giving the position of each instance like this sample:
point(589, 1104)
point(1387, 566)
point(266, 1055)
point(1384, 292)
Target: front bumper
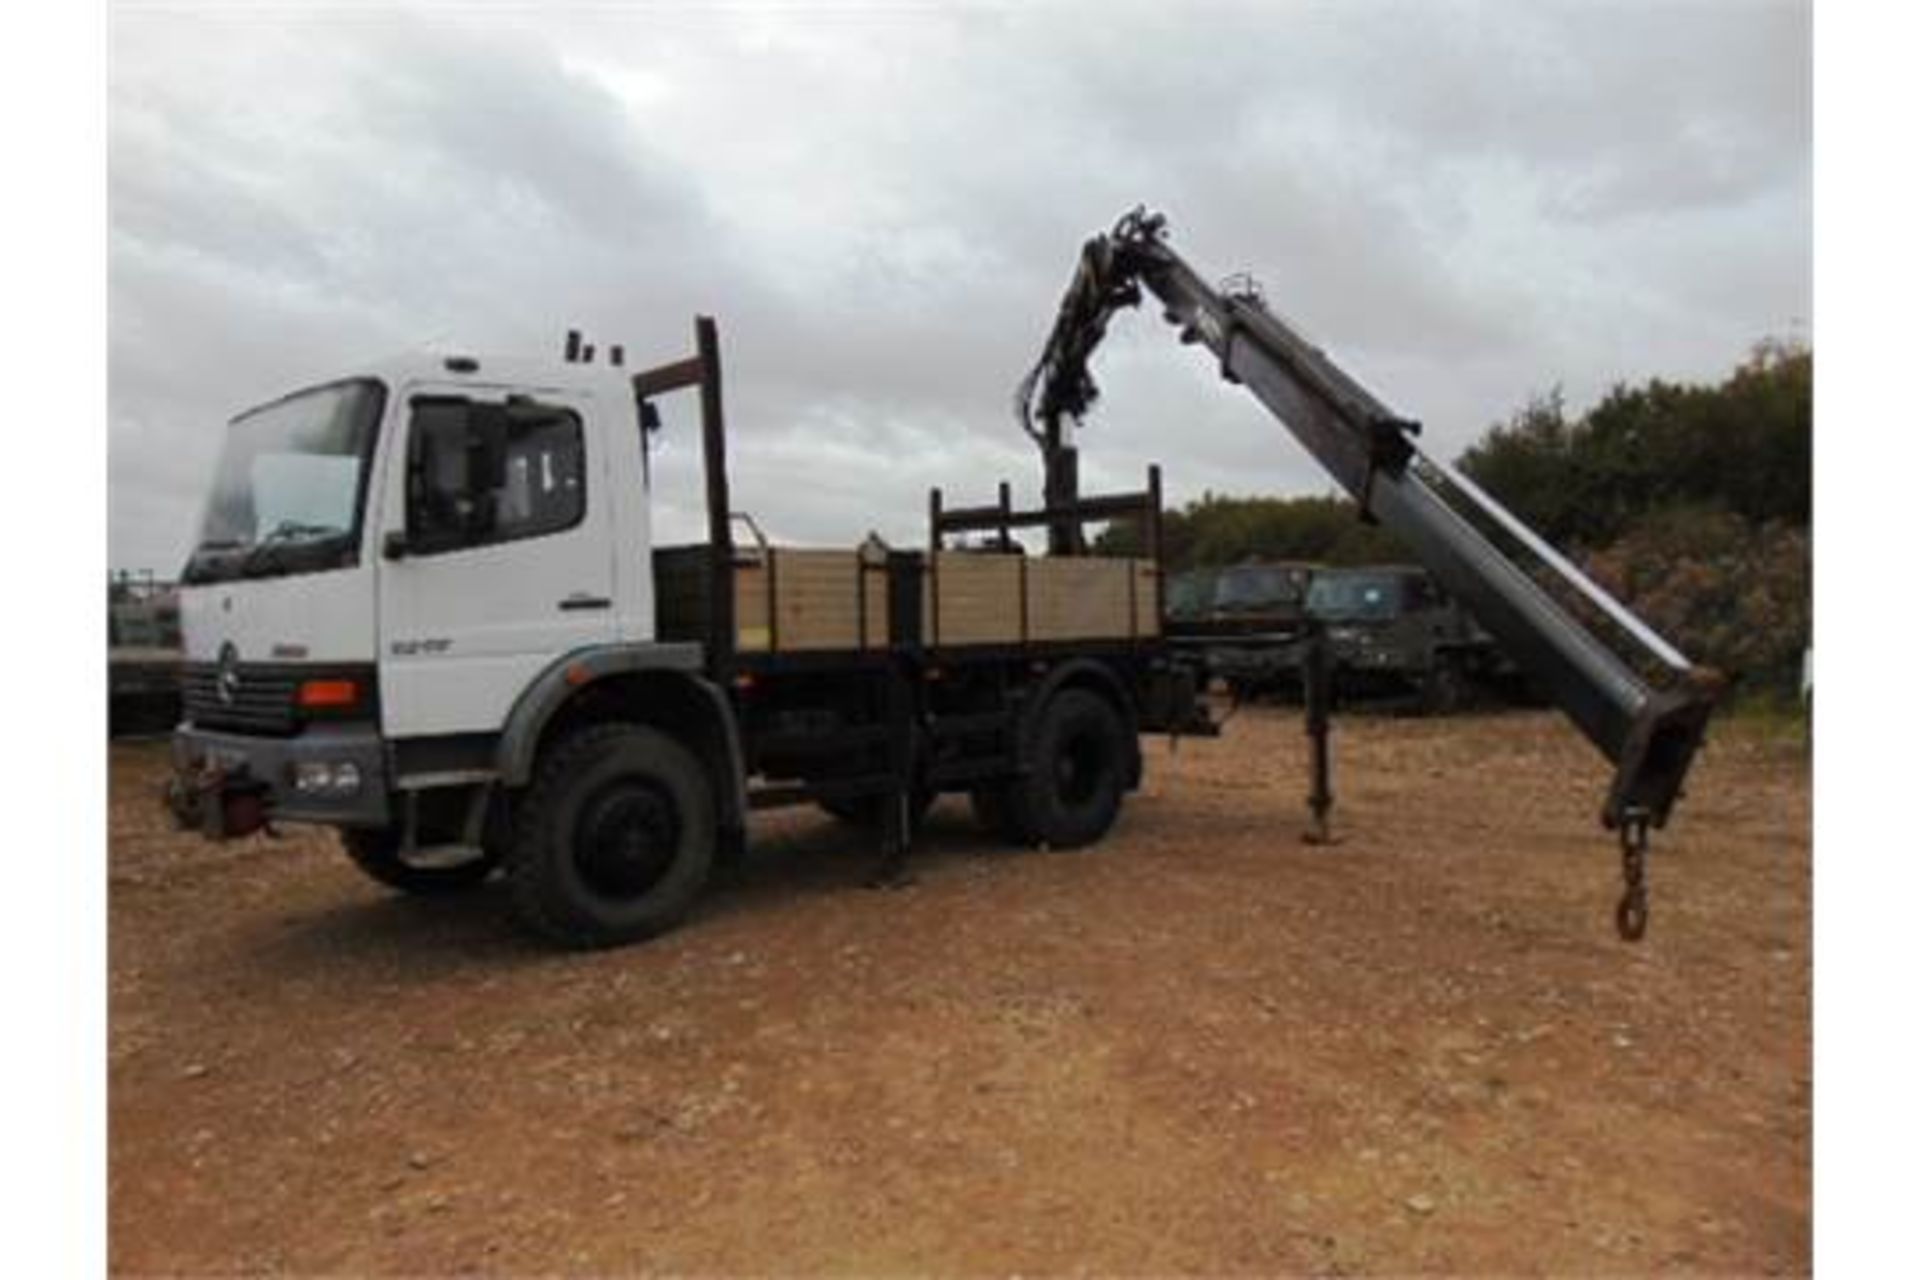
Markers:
point(1254, 662)
point(1367, 658)
point(229, 784)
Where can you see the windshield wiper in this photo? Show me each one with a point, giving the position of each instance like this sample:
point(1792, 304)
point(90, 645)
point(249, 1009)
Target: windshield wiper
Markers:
point(287, 530)
point(285, 533)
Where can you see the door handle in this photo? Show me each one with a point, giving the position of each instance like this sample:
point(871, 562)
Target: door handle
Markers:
point(581, 600)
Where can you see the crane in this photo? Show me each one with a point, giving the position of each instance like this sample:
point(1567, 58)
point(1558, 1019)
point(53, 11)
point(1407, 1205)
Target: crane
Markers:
point(1635, 696)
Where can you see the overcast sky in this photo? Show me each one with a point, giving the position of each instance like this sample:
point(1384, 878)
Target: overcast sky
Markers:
point(1466, 204)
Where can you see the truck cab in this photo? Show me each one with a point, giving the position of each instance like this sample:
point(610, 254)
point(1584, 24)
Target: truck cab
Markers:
point(1390, 630)
point(1190, 597)
point(1258, 596)
point(393, 557)
point(1259, 610)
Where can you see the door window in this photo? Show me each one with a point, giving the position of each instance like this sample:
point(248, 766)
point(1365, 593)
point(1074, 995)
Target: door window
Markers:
point(545, 482)
point(481, 473)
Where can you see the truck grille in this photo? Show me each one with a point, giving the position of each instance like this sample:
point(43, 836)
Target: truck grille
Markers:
point(261, 699)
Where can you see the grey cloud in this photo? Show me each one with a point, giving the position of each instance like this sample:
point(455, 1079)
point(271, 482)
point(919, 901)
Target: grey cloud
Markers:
point(1468, 203)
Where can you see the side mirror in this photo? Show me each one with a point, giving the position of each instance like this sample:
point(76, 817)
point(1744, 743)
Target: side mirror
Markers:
point(649, 417)
point(394, 546)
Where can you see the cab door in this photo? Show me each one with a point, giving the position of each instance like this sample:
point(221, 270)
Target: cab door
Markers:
point(496, 553)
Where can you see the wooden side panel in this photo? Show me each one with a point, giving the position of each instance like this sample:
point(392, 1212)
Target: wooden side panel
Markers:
point(807, 600)
point(978, 598)
point(752, 610)
point(816, 599)
point(1079, 598)
point(812, 600)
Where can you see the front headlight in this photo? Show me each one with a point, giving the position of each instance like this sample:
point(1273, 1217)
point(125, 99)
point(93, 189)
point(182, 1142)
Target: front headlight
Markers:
point(326, 778)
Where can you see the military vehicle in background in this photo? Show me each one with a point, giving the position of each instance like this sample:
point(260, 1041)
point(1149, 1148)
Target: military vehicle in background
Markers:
point(1391, 631)
point(1393, 636)
point(1259, 613)
point(1259, 596)
point(143, 654)
point(1190, 597)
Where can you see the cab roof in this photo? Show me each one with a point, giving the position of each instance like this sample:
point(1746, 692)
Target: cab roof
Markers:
point(481, 370)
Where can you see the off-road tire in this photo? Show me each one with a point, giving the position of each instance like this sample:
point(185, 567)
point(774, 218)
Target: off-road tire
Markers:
point(376, 851)
point(1078, 776)
point(614, 839)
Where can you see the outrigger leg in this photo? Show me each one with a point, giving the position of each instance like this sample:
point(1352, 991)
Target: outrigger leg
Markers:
point(1317, 693)
point(896, 822)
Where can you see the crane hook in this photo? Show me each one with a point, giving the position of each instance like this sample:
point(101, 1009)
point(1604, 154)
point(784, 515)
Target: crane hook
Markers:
point(1630, 917)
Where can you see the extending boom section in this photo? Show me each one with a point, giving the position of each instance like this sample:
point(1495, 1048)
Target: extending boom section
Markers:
point(1649, 729)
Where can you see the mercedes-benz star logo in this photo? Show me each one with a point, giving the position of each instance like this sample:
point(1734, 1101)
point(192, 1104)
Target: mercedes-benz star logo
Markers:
point(226, 678)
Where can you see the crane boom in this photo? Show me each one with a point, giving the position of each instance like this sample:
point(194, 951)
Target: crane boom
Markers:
point(1649, 727)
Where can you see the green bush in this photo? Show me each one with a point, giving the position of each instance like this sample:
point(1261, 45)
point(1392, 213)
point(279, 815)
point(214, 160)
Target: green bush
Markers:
point(1733, 595)
point(1692, 503)
point(1745, 446)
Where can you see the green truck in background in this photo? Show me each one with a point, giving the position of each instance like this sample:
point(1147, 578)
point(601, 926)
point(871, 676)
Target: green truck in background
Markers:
point(1392, 632)
point(1247, 618)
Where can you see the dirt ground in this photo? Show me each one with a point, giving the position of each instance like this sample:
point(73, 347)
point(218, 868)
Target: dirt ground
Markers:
point(1201, 1046)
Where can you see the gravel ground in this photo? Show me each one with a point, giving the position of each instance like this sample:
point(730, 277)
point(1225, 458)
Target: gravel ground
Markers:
point(1201, 1046)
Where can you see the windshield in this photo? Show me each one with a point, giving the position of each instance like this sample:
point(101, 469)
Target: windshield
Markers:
point(288, 492)
point(1189, 594)
point(1259, 586)
point(1347, 597)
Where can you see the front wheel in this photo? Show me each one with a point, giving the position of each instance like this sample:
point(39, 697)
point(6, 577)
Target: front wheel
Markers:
point(615, 837)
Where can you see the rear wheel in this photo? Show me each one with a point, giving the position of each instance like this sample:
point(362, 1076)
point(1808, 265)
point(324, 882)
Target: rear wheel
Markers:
point(615, 837)
point(1078, 776)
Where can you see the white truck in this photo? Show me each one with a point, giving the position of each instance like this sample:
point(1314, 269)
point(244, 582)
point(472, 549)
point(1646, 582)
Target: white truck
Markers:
point(425, 608)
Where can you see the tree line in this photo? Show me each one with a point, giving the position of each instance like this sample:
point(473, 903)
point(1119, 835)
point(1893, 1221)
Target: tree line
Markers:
point(1693, 503)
